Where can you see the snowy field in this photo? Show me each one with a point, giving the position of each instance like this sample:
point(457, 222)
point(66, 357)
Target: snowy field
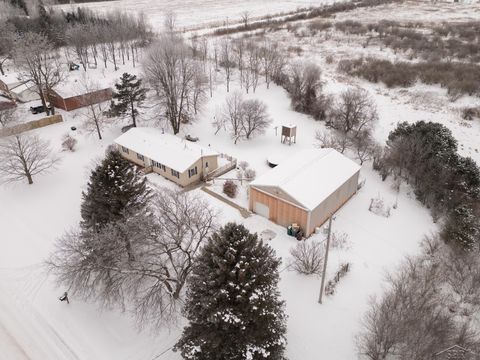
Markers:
point(34, 325)
point(196, 13)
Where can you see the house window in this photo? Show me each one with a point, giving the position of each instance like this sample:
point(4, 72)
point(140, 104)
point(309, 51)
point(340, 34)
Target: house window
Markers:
point(176, 173)
point(140, 157)
point(124, 149)
point(192, 172)
point(158, 165)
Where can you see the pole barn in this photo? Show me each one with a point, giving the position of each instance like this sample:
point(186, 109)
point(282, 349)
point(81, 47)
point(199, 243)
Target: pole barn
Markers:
point(306, 188)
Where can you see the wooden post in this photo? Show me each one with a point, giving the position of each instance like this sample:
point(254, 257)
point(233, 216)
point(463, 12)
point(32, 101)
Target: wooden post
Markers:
point(325, 260)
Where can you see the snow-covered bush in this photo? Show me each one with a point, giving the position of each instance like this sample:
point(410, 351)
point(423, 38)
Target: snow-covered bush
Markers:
point(243, 165)
point(230, 188)
point(339, 240)
point(307, 257)
point(69, 143)
point(378, 207)
point(250, 174)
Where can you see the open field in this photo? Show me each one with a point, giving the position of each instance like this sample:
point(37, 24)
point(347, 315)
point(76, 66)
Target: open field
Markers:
point(194, 13)
point(34, 325)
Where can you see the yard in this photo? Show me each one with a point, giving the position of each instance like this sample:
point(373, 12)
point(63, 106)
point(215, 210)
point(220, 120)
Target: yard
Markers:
point(35, 325)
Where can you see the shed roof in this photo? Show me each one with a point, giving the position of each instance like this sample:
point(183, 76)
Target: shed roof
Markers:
point(169, 150)
point(310, 176)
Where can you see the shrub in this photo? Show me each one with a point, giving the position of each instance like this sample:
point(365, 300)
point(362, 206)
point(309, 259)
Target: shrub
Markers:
point(250, 174)
point(307, 257)
point(230, 188)
point(69, 143)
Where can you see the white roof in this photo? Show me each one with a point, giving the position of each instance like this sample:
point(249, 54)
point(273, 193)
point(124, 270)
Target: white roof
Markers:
point(310, 176)
point(169, 150)
point(10, 78)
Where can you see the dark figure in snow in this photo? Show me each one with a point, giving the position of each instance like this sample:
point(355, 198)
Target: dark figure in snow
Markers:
point(64, 297)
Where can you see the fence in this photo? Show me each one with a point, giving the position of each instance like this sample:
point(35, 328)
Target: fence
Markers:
point(35, 124)
point(223, 169)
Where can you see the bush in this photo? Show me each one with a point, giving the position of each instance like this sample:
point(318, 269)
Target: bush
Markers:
point(69, 143)
point(307, 257)
point(250, 174)
point(230, 188)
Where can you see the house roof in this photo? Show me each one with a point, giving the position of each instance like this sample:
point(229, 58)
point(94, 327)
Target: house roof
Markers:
point(169, 150)
point(10, 79)
point(310, 176)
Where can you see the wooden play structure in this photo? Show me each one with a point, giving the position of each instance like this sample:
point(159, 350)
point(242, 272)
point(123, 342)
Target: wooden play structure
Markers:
point(289, 133)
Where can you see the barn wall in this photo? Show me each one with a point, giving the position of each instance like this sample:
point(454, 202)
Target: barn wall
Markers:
point(79, 101)
point(281, 212)
point(332, 203)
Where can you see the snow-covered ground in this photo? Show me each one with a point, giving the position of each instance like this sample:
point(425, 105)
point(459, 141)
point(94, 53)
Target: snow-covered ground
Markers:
point(195, 13)
point(35, 325)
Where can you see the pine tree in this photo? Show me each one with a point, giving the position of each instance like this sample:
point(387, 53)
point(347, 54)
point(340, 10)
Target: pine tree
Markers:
point(115, 188)
point(462, 228)
point(129, 95)
point(233, 302)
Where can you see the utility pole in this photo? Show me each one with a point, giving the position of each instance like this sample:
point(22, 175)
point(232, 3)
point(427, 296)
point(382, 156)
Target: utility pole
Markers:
point(325, 260)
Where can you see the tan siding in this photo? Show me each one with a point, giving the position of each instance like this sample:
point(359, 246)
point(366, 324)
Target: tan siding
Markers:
point(184, 179)
point(281, 212)
point(284, 213)
point(334, 202)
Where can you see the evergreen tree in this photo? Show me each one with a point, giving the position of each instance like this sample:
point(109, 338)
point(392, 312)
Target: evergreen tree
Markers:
point(462, 228)
point(115, 188)
point(129, 95)
point(233, 302)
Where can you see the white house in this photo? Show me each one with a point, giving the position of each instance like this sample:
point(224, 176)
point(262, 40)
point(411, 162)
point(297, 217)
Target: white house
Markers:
point(174, 158)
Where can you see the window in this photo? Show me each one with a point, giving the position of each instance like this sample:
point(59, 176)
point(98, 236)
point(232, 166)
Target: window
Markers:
point(206, 164)
point(176, 173)
point(192, 172)
point(124, 149)
point(140, 157)
point(158, 165)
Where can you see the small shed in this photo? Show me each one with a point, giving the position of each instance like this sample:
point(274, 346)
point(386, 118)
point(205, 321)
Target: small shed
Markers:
point(306, 188)
point(289, 133)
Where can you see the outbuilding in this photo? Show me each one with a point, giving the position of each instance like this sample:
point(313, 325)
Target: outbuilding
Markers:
point(176, 159)
point(305, 188)
point(68, 100)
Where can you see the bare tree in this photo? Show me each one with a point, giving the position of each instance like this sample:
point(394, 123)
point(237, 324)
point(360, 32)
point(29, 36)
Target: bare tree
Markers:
point(245, 18)
point(169, 66)
point(412, 320)
point(270, 59)
point(307, 257)
point(254, 63)
point(334, 140)
point(7, 117)
point(94, 111)
point(39, 63)
point(364, 146)
point(170, 22)
point(304, 86)
point(80, 38)
point(232, 115)
point(354, 112)
point(255, 119)
point(144, 260)
point(226, 60)
point(24, 156)
point(199, 90)
point(239, 51)
point(7, 41)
